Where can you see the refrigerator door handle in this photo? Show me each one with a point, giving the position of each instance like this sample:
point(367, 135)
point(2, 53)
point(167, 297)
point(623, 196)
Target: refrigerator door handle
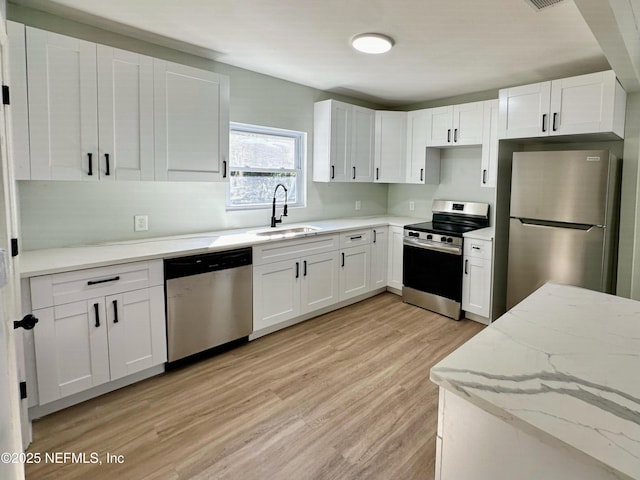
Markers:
point(551, 224)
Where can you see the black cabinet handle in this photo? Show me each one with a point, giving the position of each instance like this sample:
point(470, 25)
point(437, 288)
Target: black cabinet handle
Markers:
point(377, 173)
point(304, 268)
point(375, 236)
point(333, 172)
point(354, 173)
point(90, 164)
point(544, 122)
point(96, 309)
point(455, 135)
point(115, 311)
point(343, 259)
point(555, 118)
point(108, 171)
point(449, 136)
point(422, 174)
point(355, 237)
point(297, 269)
point(484, 176)
point(466, 267)
point(96, 282)
point(224, 169)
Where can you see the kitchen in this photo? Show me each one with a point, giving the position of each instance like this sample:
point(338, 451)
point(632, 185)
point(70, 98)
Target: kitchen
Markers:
point(107, 210)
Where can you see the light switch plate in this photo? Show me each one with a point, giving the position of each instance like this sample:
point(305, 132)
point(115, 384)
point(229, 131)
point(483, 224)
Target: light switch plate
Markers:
point(140, 223)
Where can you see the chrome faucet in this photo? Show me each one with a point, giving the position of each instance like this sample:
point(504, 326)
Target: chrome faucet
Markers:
point(274, 220)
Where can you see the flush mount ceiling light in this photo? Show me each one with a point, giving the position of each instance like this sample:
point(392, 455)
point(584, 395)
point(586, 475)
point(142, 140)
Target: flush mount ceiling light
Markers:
point(372, 43)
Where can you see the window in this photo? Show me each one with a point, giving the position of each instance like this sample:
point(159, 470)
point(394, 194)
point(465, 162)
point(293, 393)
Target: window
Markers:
point(259, 159)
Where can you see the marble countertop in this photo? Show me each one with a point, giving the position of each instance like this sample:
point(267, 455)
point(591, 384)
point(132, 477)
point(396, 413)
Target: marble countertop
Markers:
point(55, 260)
point(487, 233)
point(563, 364)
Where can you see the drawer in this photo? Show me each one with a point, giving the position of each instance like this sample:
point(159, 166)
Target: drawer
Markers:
point(295, 248)
point(355, 238)
point(62, 288)
point(477, 248)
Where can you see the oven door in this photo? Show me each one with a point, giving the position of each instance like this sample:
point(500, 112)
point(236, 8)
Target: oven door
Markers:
point(434, 269)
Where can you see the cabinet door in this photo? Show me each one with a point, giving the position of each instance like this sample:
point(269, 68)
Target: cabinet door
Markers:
point(63, 107)
point(362, 144)
point(320, 281)
point(355, 276)
point(276, 293)
point(396, 237)
point(489, 172)
point(19, 107)
point(476, 286)
point(416, 145)
point(468, 119)
point(391, 144)
point(125, 108)
point(440, 126)
point(72, 353)
point(524, 111)
point(583, 104)
point(136, 331)
point(340, 144)
point(379, 253)
point(191, 111)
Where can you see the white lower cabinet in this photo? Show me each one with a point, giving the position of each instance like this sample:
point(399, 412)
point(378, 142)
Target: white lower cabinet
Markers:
point(319, 286)
point(394, 274)
point(94, 329)
point(476, 282)
point(354, 271)
point(379, 257)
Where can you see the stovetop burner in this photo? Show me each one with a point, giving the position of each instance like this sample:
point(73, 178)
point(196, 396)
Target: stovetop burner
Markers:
point(442, 228)
point(454, 218)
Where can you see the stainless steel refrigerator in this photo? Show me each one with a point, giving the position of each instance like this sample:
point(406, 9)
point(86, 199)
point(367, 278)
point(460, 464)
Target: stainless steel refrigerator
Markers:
point(563, 224)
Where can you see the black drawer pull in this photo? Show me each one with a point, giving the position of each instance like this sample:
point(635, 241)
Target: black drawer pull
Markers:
point(343, 259)
point(466, 265)
point(375, 236)
point(356, 237)
point(96, 282)
point(96, 309)
point(115, 311)
point(422, 174)
point(224, 169)
point(108, 171)
point(297, 269)
point(90, 164)
point(333, 172)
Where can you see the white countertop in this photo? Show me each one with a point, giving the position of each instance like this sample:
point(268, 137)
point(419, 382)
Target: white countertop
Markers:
point(487, 233)
point(55, 260)
point(563, 364)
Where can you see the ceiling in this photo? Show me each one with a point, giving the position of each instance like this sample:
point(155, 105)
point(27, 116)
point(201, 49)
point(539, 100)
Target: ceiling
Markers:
point(442, 48)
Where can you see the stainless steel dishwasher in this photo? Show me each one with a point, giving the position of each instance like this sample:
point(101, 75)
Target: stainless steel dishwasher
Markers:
point(209, 301)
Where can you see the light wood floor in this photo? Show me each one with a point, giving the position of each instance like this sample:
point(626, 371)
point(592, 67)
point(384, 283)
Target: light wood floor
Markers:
point(343, 396)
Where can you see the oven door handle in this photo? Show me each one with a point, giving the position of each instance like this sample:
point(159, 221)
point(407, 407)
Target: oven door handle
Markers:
point(414, 242)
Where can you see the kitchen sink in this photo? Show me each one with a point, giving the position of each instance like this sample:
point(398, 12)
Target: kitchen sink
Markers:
point(286, 232)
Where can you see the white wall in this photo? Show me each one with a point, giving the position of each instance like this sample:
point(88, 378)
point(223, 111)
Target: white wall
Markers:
point(70, 213)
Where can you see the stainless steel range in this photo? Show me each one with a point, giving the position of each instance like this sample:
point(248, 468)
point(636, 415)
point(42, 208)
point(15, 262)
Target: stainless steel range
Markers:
point(433, 267)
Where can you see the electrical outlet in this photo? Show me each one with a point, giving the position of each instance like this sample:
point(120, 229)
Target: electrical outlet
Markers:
point(140, 223)
point(358, 204)
point(412, 205)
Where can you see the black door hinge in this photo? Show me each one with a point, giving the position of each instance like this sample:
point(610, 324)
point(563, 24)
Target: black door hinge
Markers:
point(23, 390)
point(14, 247)
point(5, 95)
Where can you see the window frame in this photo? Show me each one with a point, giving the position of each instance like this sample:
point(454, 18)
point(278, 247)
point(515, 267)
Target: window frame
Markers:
point(300, 139)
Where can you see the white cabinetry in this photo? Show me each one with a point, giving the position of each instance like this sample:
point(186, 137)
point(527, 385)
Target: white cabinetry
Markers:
point(343, 142)
point(455, 125)
point(390, 146)
point(379, 257)
point(396, 238)
point(19, 106)
point(592, 103)
point(97, 325)
point(191, 111)
point(489, 174)
point(293, 277)
point(423, 163)
point(90, 110)
point(476, 282)
point(355, 263)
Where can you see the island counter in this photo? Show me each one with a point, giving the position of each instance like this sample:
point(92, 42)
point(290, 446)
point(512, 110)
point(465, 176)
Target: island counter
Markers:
point(551, 390)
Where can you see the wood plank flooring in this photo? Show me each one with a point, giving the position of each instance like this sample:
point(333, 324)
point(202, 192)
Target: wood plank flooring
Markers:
point(343, 396)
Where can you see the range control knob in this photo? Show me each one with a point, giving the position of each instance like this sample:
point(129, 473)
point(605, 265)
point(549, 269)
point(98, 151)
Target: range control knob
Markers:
point(449, 240)
point(443, 239)
point(429, 237)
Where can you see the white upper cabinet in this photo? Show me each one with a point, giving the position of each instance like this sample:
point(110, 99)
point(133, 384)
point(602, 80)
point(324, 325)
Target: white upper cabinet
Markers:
point(390, 147)
point(19, 106)
point(593, 103)
point(125, 115)
point(489, 173)
point(423, 163)
point(455, 125)
point(191, 111)
point(63, 107)
point(343, 142)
